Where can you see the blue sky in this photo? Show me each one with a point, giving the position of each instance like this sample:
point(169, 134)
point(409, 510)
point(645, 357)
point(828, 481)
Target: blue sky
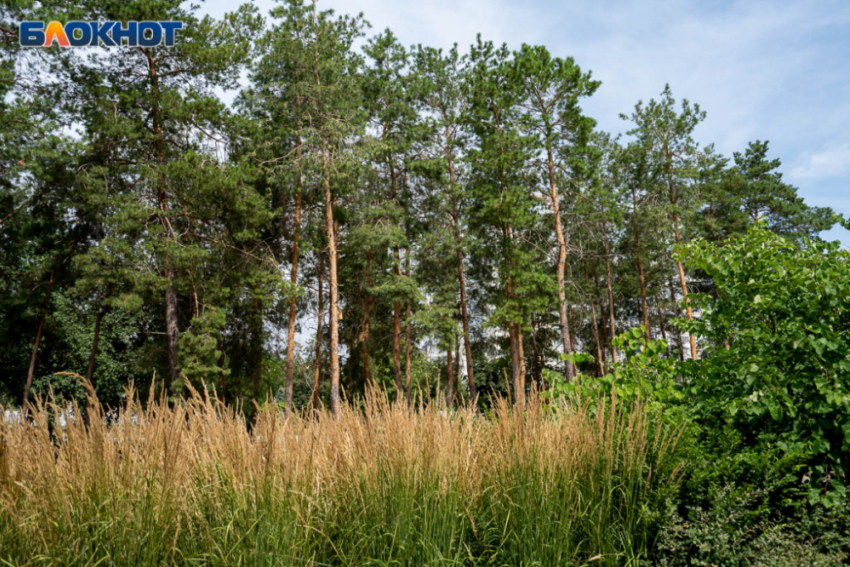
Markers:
point(761, 69)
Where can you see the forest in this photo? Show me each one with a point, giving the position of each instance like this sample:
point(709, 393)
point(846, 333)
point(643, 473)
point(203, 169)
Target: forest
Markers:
point(510, 337)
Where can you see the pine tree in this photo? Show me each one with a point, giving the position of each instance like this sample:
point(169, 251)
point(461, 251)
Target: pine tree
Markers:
point(550, 90)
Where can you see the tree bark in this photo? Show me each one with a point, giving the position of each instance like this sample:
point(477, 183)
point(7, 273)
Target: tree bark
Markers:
point(172, 328)
point(367, 308)
point(450, 382)
point(562, 262)
point(600, 360)
point(293, 280)
point(317, 374)
point(679, 266)
point(34, 357)
point(611, 321)
point(333, 284)
point(521, 355)
point(464, 312)
point(408, 373)
point(644, 308)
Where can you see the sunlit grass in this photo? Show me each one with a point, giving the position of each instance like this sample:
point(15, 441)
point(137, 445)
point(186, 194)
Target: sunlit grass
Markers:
point(193, 484)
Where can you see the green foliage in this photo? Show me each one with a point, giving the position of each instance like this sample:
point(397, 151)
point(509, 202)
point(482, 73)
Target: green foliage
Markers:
point(646, 374)
point(782, 310)
point(736, 531)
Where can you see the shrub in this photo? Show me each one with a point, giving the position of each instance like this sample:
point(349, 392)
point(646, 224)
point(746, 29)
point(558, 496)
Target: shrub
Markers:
point(777, 363)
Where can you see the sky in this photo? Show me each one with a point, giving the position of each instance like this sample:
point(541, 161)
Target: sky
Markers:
point(761, 69)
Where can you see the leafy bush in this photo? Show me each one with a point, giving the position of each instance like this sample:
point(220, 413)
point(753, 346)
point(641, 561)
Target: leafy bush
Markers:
point(736, 531)
point(645, 374)
point(777, 365)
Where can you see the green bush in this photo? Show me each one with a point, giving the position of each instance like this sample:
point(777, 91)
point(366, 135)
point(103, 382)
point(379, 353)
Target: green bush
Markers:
point(776, 369)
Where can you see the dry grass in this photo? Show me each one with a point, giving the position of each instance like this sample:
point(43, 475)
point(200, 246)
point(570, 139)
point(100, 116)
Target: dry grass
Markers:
point(377, 485)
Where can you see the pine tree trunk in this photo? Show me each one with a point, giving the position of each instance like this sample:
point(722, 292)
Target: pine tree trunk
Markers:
point(600, 360)
point(644, 308)
point(464, 314)
point(34, 357)
point(408, 372)
point(521, 355)
point(293, 280)
point(611, 320)
point(367, 308)
point(450, 382)
point(95, 342)
point(333, 284)
point(680, 344)
point(172, 328)
point(514, 344)
point(562, 262)
point(512, 326)
point(604, 328)
point(464, 310)
point(397, 337)
point(679, 267)
point(689, 312)
point(317, 374)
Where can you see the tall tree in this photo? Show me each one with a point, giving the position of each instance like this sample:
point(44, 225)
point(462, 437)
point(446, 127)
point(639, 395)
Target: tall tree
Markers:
point(666, 135)
point(443, 80)
point(550, 90)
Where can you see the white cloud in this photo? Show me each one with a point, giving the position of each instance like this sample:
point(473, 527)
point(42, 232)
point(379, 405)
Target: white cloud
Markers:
point(831, 162)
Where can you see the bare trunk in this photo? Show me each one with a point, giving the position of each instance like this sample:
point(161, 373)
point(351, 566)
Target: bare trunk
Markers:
point(521, 355)
point(610, 293)
point(366, 323)
point(604, 329)
point(688, 310)
point(34, 357)
point(450, 382)
point(600, 360)
point(562, 262)
point(172, 329)
point(408, 375)
point(644, 307)
point(317, 374)
point(515, 372)
point(513, 327)
point(679, 267)
point(399, 386)
point(464, 314)
point(334, 288)
point(293, 279)
point(536, 357)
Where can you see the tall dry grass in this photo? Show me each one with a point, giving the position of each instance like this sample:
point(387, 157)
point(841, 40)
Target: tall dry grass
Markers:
point(192, 484)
